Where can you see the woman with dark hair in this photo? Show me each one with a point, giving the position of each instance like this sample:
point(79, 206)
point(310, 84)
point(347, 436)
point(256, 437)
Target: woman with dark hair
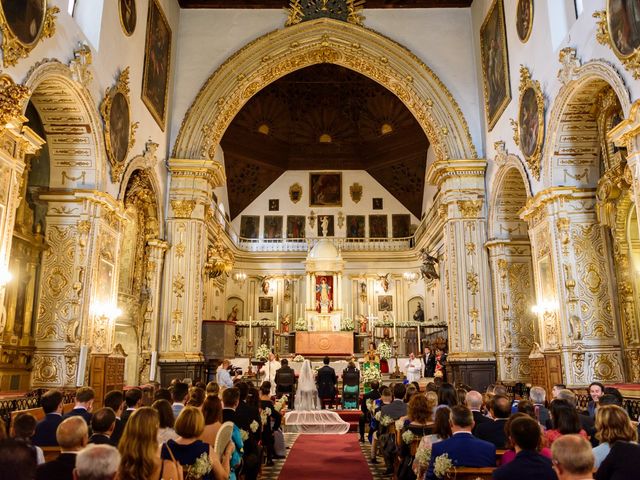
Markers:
point(165, 414)
point(411, 391)
point(510, 452)
point(196, 397)
point(418, 425)
point(565, 420)
point(270, 420)
point(441, 431)
point(447, 396)
point(212, 412)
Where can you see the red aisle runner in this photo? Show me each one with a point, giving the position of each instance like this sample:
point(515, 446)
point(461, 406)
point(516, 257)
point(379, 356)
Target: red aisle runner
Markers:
point(329, 457)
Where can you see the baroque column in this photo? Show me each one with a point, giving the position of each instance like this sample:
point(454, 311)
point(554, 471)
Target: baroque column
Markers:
point(571, 262)
point(467, 292)
point(190, 193)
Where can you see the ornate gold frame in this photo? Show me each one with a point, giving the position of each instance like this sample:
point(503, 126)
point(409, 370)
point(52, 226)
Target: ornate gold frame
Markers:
point(530, 29)
point(13, 49)
point(491, 122)
point(296, 187)
point(526, 83)
point(122, 87)
point(603, 34)
point(127, 34)
point(311, 174)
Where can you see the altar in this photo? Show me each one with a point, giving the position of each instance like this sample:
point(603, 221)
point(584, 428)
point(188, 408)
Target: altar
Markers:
point(324, 343)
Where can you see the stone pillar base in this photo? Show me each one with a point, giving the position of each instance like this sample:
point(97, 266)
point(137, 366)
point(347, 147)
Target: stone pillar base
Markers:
point(478, 374)
point(195, 370)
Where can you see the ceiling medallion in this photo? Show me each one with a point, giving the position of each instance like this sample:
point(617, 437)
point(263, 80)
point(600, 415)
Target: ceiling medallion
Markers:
point(295, 192)
point(343, 10)
point(355, 191)
point(119, 132)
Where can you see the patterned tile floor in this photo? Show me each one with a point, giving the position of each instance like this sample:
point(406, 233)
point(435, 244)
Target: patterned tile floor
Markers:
point(376, 469)
point(272, 473)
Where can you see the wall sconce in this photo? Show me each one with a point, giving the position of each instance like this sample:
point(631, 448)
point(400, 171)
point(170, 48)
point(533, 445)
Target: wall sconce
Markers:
point(239, 278)
point(106, 310)
point(5, 277)
point(545, 306)
point(410, 277)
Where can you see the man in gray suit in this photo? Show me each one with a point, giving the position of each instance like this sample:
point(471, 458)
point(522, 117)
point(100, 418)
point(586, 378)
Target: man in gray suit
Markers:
point(397, 408)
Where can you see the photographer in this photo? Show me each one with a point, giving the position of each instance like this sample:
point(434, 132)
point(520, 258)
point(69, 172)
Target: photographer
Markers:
point(223, 377)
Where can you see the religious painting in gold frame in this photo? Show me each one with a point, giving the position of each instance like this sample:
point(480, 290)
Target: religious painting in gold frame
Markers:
point(295, 192)
point(495, 64)
point(325, 189)
point(529, 129)
point(157, 63)
point(24, 23)
point(128, 16)
point(524, 19)
point(619, 28)
point(119, 131)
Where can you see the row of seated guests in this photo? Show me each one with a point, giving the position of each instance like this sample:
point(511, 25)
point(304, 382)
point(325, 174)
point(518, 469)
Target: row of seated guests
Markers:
point(470, 427)
point(153, 442)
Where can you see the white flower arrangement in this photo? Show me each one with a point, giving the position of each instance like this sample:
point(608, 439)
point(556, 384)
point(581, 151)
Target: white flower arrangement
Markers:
point(377, 416)
point(298, 359)
point(263, 351)
point(254, 426)
point(264, 415)
point(384, 350)
point(399, 424)
point(371, 374)
point(244, 435)
point(280, 403)
point(442, 465)
point(200, 467)
point(301, 324)
point(385, 420)
point(423, 456)
point(347, 325)
point(408, 437)
point(371, 405)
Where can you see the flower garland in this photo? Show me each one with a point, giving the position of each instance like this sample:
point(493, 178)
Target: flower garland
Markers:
point(244, 435)
point(298, 359)
point(264, 415)
point(301, 324)
point(256, 323)
point(384, 420)
point(423, 456)
point(263, 351)
point(371, 374)
point(280, 403)
point(347, 325)
point(408, 437)
point(384, 351)
point(254, 426)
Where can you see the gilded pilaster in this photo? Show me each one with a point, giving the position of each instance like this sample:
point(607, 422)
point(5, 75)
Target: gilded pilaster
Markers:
point(467, 284)
point(192, 183)
point(576, 311)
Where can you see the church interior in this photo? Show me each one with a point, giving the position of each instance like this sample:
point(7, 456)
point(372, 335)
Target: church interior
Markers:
point(188, 181)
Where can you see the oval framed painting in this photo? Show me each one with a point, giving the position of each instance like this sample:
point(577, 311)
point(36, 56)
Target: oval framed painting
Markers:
point(530, 127)
point(524, 19)
point(25, 19)
point(623, 18)
point(128, 16)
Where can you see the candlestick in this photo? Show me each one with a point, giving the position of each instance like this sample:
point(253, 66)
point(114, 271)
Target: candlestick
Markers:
point(277, 316)
point(250, 329)
point(395, 333)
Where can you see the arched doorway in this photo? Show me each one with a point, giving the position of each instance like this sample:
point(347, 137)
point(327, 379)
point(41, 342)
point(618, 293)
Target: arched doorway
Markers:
point(511, 272)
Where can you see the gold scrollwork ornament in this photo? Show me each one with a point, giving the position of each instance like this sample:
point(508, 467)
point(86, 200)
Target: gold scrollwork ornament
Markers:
point(295, 192)
point(630, 59)
point(528, 130)
point(18, 44)
point(12, 97)
point(119, 131)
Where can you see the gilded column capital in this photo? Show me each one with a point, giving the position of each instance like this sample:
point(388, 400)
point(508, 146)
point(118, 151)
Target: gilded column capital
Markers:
point(443, 170)
point(212, 171)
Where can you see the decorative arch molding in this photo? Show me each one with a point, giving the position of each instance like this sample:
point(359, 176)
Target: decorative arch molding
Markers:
point(569, 136)
point(147, 162)
point(360, 49)
point(73, 126)
point(508, 163)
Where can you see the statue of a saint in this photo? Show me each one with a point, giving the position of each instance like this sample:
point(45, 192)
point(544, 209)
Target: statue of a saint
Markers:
point(286, 320)
point(233, 315)
point(418, 316)
point(371, 356)
point(324, 303)
point(428, 269)
point(324, 225)
point(362, 320)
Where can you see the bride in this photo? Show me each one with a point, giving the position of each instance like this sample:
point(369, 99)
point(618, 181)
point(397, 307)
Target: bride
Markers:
point(307, 394)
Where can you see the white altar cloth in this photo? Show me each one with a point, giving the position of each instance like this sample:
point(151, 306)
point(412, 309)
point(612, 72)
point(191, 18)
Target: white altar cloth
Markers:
point(317, 421)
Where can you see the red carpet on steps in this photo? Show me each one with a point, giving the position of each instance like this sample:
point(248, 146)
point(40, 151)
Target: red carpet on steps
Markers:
point(327, 457)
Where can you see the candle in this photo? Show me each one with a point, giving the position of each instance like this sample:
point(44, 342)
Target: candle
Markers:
point(277, 315)
point(395, 337)
point(250, 329)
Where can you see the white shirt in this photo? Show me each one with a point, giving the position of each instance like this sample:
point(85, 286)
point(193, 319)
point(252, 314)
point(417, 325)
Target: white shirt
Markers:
point(414, 370)
point(269, 370)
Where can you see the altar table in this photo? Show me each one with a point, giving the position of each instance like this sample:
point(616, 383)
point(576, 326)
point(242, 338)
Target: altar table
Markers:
point(324, 343)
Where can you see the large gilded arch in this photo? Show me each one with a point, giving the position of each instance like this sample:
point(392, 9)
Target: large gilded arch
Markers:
point(324, 41)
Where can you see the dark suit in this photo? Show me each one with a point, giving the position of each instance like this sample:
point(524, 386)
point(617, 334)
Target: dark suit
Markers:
point(429, 362)
point(285, 383)
point(479, 418)
point(59, 469)
point(45, 435)
point(125, 417)
point(101, 439)
point(327, 381)
point(364, 418)
point(528, 465)
point(622, 463)
point(245, 415)
point(542, 413)
point(117, 432)
point(493, 432)
point(464, 450)
point(395, 409)
point(79, 412)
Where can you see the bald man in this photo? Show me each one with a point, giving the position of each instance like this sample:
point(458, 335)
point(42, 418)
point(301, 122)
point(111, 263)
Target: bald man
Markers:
point(473, 400)
point(72, 436)
point(572, 458)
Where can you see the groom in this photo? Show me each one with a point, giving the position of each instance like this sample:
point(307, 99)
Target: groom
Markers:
point(327, 381)
point(285, 381)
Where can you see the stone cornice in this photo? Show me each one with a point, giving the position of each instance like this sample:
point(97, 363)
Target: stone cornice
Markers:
point(442, 170)
point(210, 170)
point(554, 194)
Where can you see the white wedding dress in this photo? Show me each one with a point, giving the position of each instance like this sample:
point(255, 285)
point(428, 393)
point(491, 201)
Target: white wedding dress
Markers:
point(307, 416)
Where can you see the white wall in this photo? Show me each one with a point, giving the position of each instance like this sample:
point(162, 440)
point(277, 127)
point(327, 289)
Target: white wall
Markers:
point(280, 190)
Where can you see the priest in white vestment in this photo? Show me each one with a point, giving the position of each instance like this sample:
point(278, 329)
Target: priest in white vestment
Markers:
point(268, 372)
point(413, 368)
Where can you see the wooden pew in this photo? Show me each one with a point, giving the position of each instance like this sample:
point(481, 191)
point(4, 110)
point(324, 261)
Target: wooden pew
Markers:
point(50, 453)
point(468, 473)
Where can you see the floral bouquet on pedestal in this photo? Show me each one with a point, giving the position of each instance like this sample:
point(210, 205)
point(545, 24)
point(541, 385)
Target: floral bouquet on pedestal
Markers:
point(301, 324)
point(384, 351)
point(371, 374)
point(347, 325)
point(281, 403)
point(262, 352)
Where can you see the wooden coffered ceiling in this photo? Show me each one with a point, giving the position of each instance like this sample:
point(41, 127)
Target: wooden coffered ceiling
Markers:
point(324, 117)
point(285, 3)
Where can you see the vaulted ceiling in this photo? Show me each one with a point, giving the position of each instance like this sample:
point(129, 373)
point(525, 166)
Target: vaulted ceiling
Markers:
point(285, 3)
point(324, 117)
